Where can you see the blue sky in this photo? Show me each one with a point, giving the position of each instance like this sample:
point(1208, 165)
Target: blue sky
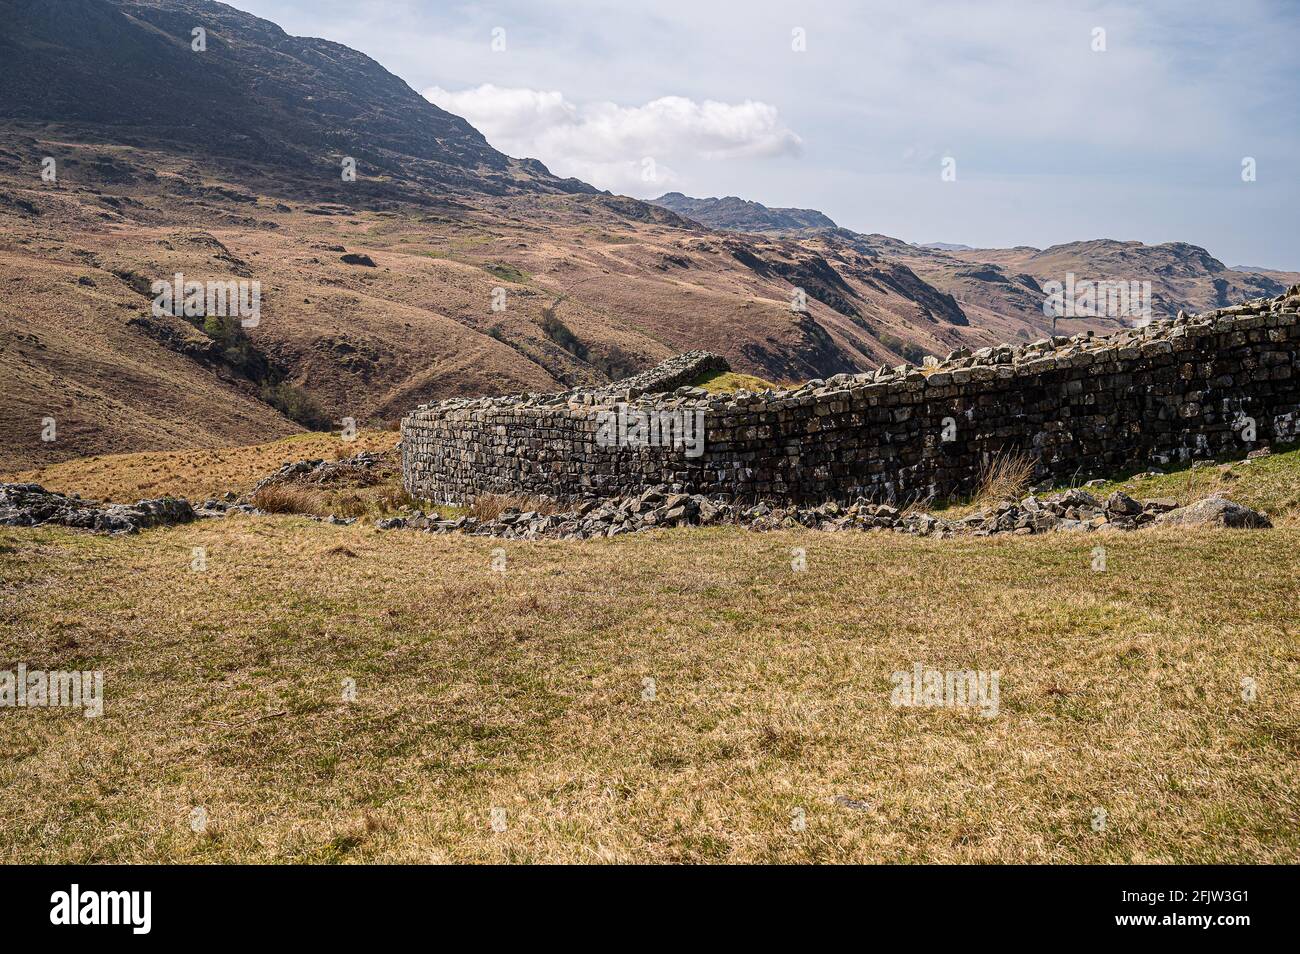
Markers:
point(1053, 139)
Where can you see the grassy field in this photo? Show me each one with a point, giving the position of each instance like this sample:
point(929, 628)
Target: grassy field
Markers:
point(525, 691)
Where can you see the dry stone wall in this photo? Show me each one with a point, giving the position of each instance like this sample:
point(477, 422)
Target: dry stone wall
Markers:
point(1191, 387)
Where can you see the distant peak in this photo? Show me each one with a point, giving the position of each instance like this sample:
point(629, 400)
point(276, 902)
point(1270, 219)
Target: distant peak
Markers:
point(948, 247)
point(735, 214)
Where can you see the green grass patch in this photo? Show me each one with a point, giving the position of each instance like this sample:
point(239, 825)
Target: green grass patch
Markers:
point(727, 382)
point(507, 273)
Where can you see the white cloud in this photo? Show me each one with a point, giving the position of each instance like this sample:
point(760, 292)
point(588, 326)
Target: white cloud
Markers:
point(1053, 141)
point(622, 148)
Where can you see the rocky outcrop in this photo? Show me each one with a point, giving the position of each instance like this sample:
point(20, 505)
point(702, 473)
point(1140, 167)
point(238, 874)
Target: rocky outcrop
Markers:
point(1215, 512)
point(741, 215)
point(1226, 381)
point(29, 505)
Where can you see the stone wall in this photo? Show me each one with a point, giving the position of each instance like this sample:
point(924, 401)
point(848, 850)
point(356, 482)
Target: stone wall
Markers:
point(1079, 407)
point(674, 373)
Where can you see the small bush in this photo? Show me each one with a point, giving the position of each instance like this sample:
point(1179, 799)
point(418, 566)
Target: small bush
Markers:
point(562, 335)
point(614, 364)
point(236, 348)
point(392, 497)
point(913, 353)
point(297, 405)
point(909, 352)
point(507, 273)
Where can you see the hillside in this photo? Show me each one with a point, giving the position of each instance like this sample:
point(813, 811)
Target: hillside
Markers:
point(1183, 277)
point(446, 268)
point(595, 287)
point(993, 285)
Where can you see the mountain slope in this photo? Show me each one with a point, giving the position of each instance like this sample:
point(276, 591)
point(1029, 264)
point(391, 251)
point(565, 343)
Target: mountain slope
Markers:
point(1183, 277)
point(125, 71)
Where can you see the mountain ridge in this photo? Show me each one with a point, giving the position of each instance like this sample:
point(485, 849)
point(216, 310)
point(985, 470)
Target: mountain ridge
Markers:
point(1184, 277)
point(254, 95)
point(742, 215)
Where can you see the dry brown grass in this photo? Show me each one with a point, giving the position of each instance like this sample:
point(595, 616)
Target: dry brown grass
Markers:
point(525, 690)
point(290, 498)
point(490, 506)
point(194, 474)
point(286, 498)
point(1006, 477)
point(727, 382)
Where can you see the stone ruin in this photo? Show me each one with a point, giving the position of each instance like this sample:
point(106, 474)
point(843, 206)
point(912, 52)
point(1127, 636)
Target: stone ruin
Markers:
point(1226, 381)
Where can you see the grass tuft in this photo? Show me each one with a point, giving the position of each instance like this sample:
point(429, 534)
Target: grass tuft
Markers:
point(490, 506)
point(284, 498)
point(1006, 477)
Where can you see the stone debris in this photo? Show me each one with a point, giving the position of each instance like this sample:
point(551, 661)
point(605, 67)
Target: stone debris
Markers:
point(659, 507)
point(28, 505)
point(364, 468)
point(857, 804)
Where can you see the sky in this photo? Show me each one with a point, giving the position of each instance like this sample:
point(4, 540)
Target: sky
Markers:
point(995, 124)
